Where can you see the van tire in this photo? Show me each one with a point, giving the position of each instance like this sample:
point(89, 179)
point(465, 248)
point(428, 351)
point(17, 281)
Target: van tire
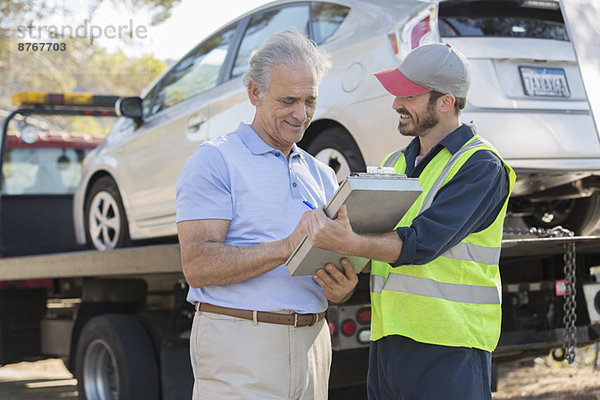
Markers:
point(336, 148)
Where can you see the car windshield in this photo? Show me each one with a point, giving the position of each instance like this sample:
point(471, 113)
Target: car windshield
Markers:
point(41, 171)
point(500, 19)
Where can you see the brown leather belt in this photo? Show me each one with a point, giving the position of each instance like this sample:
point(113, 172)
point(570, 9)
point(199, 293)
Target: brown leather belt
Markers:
point(297, 320)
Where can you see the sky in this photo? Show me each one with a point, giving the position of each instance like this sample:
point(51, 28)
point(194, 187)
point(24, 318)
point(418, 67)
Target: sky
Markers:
point(112, 21)
point(190, 22)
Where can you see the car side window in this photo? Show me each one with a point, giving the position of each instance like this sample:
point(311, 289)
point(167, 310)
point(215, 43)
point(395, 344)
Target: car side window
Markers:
point(41, 170)
point(147, 102)
point(326, 18)
point(196, 73)
point(266, 24)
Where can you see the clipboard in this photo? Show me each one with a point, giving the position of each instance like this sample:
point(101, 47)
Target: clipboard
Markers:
point(375, 203)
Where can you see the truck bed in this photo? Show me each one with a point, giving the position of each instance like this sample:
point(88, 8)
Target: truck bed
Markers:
point(154, 259)
point(165, 258)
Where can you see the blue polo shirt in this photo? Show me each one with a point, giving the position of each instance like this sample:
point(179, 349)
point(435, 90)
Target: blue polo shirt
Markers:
point(238, 177)
point(468, 203)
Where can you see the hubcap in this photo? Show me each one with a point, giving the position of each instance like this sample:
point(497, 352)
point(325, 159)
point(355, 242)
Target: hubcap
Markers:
point(336, 160)
point(104, 221)
point(100, 372)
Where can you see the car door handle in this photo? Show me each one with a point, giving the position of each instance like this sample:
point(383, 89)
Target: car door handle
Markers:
point(195, 122)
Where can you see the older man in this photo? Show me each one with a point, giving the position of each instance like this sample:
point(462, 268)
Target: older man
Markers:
point(258, 332)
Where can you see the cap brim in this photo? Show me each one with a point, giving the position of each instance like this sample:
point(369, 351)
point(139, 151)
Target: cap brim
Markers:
point(399, 85)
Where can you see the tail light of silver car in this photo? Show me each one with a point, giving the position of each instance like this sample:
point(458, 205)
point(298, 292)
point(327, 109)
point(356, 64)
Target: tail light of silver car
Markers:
point(419, 30)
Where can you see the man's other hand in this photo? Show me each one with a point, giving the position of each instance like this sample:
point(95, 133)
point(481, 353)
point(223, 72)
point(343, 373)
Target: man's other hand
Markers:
point(337, 286)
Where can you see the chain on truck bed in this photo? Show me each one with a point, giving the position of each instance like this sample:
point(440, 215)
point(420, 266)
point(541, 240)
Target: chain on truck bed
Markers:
point(569, 308)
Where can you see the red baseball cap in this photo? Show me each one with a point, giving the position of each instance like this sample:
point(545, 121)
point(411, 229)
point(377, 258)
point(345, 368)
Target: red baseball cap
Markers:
point(434, 66)
point(398, 84)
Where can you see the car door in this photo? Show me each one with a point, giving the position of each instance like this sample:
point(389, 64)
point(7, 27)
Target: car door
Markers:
point(230, 104)
point(177, 123)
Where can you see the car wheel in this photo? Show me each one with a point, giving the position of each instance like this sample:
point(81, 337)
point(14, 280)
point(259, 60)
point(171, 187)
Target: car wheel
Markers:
point(106, 224)
point(336, 148)
point(580, 215)
point(115, 360)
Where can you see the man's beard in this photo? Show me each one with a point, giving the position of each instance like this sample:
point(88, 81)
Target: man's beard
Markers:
point(421, 122)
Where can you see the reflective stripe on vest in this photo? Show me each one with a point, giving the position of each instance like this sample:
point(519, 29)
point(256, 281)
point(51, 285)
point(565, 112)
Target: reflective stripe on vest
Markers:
point(391, 160)
point(440, 180)
point(431, 288)
point(472, 252)
point(376, 283)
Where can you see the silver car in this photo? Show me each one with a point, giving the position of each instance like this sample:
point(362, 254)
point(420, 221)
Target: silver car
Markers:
point(527, 98)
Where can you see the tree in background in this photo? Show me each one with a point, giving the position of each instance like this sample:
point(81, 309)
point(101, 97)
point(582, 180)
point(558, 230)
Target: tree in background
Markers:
point(83, 66)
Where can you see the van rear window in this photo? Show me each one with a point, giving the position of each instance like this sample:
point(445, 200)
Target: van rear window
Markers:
point(500, 19)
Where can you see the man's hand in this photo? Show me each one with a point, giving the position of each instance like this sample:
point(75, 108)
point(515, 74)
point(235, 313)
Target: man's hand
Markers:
point(294, 239)
point(331, 234)
point(337, 286)
point(337, 235)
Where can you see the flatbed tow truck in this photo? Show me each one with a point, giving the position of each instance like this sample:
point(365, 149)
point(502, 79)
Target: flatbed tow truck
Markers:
point(145, 285)
point(120, 321)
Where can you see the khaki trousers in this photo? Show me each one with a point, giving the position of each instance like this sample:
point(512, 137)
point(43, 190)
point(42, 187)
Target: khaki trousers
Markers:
point(234, 359)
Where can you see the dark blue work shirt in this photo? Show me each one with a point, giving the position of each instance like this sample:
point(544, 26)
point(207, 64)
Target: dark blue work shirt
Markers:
point(468, 203)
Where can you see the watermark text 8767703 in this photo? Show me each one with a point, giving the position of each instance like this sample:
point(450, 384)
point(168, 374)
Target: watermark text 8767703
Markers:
point(47, 46)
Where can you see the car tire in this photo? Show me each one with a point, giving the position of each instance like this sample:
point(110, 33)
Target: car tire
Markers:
point(336, 148)
point(106, 224)
point(115, 360)
point(580, 215)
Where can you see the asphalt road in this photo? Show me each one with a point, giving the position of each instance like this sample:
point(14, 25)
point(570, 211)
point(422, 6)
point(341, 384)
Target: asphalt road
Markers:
point(40, 380)
point(50, 380)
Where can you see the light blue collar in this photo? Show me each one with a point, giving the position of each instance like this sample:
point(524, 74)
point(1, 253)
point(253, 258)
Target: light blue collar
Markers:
point(257, 145)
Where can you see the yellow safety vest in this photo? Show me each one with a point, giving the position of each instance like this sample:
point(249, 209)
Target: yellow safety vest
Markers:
point(455, 300)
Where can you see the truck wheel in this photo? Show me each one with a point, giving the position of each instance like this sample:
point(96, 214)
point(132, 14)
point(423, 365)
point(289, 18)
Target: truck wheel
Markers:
point(115, 360)
point(336, 148)
point(580, 215)
point(106, 223)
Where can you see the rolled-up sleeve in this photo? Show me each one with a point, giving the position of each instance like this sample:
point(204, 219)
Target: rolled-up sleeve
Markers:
point(468, 203)
point(203, 187)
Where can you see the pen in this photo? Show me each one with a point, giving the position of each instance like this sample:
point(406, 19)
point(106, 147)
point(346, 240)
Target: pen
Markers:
point(309, 205)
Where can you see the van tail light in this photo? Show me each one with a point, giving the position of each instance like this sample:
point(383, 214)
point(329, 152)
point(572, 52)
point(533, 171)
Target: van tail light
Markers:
point(419, 30)
point(393, 38)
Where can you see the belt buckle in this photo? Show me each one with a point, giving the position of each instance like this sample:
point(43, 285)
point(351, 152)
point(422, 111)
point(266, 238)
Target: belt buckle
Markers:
point(295, 320)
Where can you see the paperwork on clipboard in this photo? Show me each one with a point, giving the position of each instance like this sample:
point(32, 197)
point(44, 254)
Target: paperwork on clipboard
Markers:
point(375, 201)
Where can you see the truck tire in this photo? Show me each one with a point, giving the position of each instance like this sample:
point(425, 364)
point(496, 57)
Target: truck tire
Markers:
point(336, 148)
point(580, 215)
point(106, 224)
point(115, 360)
point(156, 324)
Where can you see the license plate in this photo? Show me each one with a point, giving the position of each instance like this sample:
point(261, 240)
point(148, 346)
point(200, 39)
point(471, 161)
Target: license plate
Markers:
point(544, 82)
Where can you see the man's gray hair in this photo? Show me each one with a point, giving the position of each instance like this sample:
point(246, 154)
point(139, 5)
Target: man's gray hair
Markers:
point(288, 47)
